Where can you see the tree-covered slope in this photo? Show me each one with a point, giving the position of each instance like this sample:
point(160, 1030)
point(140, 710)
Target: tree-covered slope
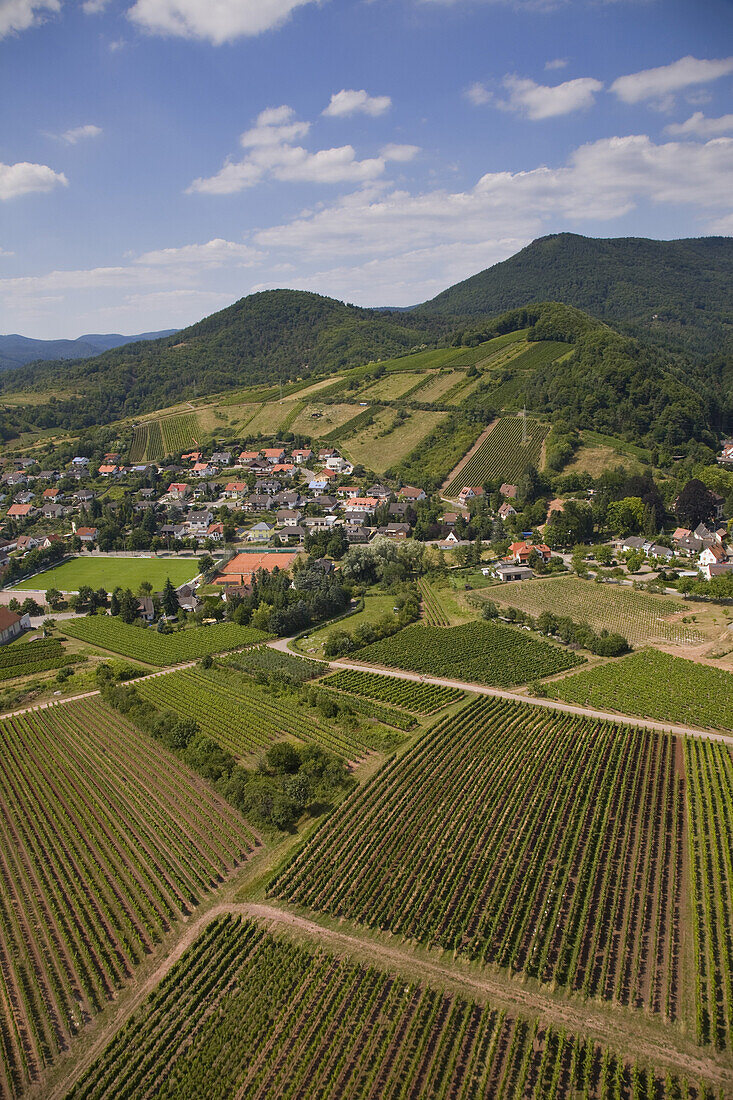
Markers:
point(16, 351)
point(263, 338)
point(676, 292)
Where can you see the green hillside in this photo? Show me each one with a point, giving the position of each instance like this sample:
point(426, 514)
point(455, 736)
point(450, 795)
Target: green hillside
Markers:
point(676, 292)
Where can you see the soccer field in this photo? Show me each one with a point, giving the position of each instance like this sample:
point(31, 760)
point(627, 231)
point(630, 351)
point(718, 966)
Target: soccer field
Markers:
point(110, 572)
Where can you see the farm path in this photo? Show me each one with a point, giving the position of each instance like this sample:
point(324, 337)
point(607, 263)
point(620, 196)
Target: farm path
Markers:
point(468, 455)
point(628, 1032)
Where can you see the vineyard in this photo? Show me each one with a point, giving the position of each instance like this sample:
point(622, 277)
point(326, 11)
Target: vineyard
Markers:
point(545, 843)
point(377, 712)
point(710, 817)
point(654, 685)
point(31, 657)
point(248, 1014)
point(106, 841)
point(265, 659)
point(154, 439)
point(245, 718)
point(639, 616)
point(502, 456)
point(145, 644)
point(418, 698)
point(432, 613)
point(478, 652)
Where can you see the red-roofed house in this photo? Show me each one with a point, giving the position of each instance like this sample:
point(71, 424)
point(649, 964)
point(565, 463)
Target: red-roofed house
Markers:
point(50, 494)
point(304, 454)
point(363, 504)
point(20, 511)
point(470, 492)
point(179, 490)
point(410, 493)
point(274, 454)
point(109, 471)
point(87, 534)
point(234, 489)
point(520, 551)
point(192, 456)
point(249, 456)
point(215, 531)
point(11, 625)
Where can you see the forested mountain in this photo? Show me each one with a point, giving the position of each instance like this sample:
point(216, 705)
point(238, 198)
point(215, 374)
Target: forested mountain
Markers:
point(272, 336)
point(677, 293)
point(16, 351)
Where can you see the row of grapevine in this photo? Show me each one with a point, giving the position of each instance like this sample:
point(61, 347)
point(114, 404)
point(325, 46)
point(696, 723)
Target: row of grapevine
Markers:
point(537, 841)
point(146, 644)
point(502, 455)
point(479, 652)
point(248, 1014)
point(263, 658)
point(31, 657)
point(710, 820)
point(639, 616)
point(244, 717)
point(408, 694)
point(377, 712)
point(432, 612)
point(105, 842)
point(180, 432)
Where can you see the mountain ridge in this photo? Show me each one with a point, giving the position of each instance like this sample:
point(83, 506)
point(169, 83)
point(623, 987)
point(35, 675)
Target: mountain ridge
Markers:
point(18, 351)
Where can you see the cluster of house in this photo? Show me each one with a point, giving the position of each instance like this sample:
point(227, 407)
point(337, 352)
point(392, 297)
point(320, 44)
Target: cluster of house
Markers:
point(705, 544)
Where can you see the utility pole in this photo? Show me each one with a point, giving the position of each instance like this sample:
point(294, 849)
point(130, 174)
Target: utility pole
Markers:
point(524, 425)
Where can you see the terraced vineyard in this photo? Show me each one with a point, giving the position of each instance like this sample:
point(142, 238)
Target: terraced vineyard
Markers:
point(418, 698)
point(654, 685)
point(106, 840)
point(540, 842)
point(432, 612)
point(639, 616)
point(502, 455)
point(245, 718)
point(146, 644)
point(475, 652)
point(28, 658)
point(710, 817)
point(248, 1014)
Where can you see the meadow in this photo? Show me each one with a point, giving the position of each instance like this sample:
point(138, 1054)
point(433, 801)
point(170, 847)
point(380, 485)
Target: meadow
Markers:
point(654, 685)
point(109, 572)
point(249, 1014)
point(106, 842)
point(640, 616)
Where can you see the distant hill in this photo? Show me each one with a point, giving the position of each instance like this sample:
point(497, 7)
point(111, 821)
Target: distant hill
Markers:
point(676, 292)
point(16, 351)
point(266, 337)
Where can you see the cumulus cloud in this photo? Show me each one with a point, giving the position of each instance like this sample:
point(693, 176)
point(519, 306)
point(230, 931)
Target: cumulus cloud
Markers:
point(660, 83)
point(80, 133)
point(19, 15)
point(556, 63)
point(698, 125)
point(539, 101)
point(351, 102)
point(271, 154)
point(24, 178)
point(478, 94)
point(399, 153)
point(214, 253)
point(215, 21)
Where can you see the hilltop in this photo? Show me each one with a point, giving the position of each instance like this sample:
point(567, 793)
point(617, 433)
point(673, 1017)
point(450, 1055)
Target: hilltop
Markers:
point(673, 292)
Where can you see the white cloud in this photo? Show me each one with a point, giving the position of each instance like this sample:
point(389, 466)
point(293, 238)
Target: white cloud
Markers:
point(24, 179)
point(4, 252)
point(540, 101)
point(214, 253)
point(215, 21)
point(271, 155)
point(350, 102)
point(19, 15)
point(478, 94)
point(700, 126)
point(94, 7)
point(660, 83)
point(399, 153)
point(556, 63)
point(79, 133)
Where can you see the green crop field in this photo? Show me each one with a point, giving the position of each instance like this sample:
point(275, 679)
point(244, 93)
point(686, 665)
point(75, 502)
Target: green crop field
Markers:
point(146, 644)
point(107, 841)
point(639, 616)
point(383, 444)
point(475, 652)
point(29, 658)
point(113, 571)
point(415, 697)
point(265, 659)
point(147, 442)
point(432, 610)
point(378, 712)
point(154, 439)
point(249, 1014)
point(538, 841)
point(502, 455)
point(654, 685)
point(245, 718)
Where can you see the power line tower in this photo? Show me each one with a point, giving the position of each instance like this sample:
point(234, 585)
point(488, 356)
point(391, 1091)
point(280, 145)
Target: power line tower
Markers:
point(524, 425)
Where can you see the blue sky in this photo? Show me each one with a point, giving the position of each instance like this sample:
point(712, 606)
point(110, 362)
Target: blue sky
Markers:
point(161, 158)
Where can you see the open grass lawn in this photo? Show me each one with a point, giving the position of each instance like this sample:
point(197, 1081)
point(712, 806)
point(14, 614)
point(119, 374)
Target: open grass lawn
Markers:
point(375, 607)
point(109, 572)
point(380, 452)
point(654, 685)
point(318, 420)
point(390, 387)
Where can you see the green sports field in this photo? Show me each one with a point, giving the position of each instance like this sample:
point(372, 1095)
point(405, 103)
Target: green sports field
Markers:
point(110, 572)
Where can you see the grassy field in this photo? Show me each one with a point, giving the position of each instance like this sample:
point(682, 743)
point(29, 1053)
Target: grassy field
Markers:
point(380, 452)
point(654, 685)
point(389, 388)
point(640, 616)
point(476, 652)
point(375, 607)
point(598, 453)
point(110, 572)
point(319, 420)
